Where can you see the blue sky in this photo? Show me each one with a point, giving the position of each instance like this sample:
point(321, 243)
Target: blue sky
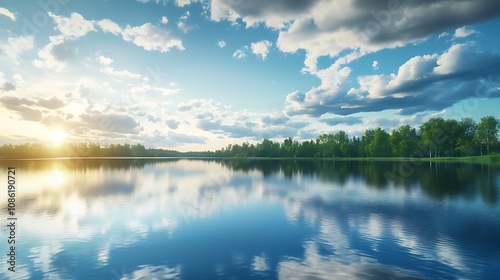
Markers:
point(198, 75)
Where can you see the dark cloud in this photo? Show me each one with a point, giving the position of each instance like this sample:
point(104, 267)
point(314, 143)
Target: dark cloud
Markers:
point(184, 108)
point(234, 130)
point(195, 103)
point(258, 8)
point(421, 18)
point(274, 119)
point(205, 115)
point(153, 119)
point(336, 120)
point(111, 123)
point(8, 87)
point(186, 139)
point(52, 104)
point(453, 76)
point(63, 51)
point(172, 124)
point(382, 22)
point(22, 106)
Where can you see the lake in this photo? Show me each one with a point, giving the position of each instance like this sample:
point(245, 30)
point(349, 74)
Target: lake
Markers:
point(253, 219)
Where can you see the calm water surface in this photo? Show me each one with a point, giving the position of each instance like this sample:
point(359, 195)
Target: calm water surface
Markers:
point(202, 219)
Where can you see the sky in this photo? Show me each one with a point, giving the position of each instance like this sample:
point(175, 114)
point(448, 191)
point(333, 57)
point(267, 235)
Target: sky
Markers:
point(200, 74)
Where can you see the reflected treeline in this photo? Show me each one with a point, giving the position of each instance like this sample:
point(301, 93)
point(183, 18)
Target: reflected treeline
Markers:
point(84, 164)
point(438, 180)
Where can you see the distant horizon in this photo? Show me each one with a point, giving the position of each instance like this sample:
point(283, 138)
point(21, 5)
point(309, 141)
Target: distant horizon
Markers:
point(198, 75)
point(439, 137)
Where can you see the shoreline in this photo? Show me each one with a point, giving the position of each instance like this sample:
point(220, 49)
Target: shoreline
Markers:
point(470, 159)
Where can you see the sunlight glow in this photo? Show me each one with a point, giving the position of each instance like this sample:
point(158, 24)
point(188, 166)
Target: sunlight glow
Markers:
point(57, 137)
point(57, 177)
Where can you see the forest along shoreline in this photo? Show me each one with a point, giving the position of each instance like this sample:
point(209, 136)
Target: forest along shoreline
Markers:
point(437, 140)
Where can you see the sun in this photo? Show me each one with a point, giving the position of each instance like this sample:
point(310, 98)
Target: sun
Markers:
point(57, 136)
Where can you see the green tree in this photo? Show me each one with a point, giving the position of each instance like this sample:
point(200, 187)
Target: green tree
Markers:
point(433, 135)
point(466, 140)
point(380, 146)
point(341, 140)
point(487, 132)
point(366, 141)
point(403, 140)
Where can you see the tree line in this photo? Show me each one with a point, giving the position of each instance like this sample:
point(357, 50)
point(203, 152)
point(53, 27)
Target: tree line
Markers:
point(37, 150)
point(435, 138)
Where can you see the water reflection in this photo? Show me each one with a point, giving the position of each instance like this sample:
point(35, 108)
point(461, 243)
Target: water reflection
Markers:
point(208, 219)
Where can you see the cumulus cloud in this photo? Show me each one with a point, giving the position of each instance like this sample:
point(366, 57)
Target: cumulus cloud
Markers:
point(61, 47)
point(182, 23)
point(172, 124)
point(151, 38)
point(73, 27)
point(110, 70)
point(104, 60)
point(8, 87)
point(221, 44)
point(148, 36)
point(427, 82)
point(63, 51)
point(463, 32)
point(7, 13)
point(111, 123)
point(15, 46)
point(52, 103)
point(237, 130)
point(326, 28)
point(182, 3)
point(375, 65)
point(30, 109)
point(336, 120)
point(164, 20)
point(261, 48)
point(108, 25)
point(54, 54)
point(273, 13)
point(22, 107)
point(239, 54)
point(444, 34)
point(186, 139)
point(153, 119)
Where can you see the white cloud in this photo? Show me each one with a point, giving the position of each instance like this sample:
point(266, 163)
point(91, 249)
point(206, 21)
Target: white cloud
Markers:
point(7, 13)
point(164, 20)
point(463, 32)
point(375, 65)
point(260, 263)
point(221, 44)
point(104, 60)
point(46, 57)
point(16, 46)
point(108, 69)
point(182, 23)
point(73, 27)
point(261, 48)
point(156, 1)
point(426, 82)
point(239, 54)
point(61, 48)
point(444, 34)
point(148, 36)
point(151, 38)
point(182, 3)
point(109, 26)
